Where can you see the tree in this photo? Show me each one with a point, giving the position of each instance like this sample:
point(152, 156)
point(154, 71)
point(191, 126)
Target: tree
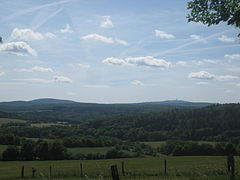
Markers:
point(10, 154)
point(215, 11)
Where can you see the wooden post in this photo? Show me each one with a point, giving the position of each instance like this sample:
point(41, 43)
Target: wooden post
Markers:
point(22, 172)
point(165, 166)
point(50, 172)
point(81, 170)
point(33, 172)
point(114, 170)
point(231, 165)
point(123, 169)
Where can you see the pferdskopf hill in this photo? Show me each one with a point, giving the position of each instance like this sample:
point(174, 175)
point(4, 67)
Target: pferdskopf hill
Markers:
point(54, 110)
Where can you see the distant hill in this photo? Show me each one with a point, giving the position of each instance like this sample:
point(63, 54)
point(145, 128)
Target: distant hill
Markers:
point(180, 103)
point(42, 101)
point(53, 110)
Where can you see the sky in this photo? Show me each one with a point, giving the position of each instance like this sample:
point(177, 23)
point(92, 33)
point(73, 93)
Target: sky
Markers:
point(119, 51)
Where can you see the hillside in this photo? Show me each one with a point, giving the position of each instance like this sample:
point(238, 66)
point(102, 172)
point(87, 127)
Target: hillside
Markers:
point(53, 110)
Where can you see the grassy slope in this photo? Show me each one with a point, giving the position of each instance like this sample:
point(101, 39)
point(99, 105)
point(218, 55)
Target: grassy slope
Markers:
point(8, 120)
point(86, 150)
point(178, 167)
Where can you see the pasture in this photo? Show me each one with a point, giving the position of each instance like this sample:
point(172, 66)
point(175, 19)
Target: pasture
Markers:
point(178, 168)
point(8, 120)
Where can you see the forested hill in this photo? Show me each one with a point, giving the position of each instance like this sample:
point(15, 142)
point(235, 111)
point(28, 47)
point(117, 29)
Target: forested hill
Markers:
point(53, 110)
point(216, 122)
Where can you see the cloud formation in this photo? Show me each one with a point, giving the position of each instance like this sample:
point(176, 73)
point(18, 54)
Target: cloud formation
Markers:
point(202, 75)
point(224, 38)
point(2, 74)
point(37, 69)
point(106, 23)
point(17, 48)
point(147, 61)
point(66, 29)
point(198, 38)
point(137, 83)
point(163, 34)
point(108, 40)
point(98, 37)
point(62, 79)
point(232, 56)
point(181, 63)
point(29, 34)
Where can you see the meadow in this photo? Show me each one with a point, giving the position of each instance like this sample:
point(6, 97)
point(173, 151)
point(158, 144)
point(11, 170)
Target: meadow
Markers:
point(149, 168)
point(8, 120)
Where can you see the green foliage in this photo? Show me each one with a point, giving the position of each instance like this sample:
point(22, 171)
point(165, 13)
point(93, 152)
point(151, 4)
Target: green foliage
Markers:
point(10, 154)
point(215, 11)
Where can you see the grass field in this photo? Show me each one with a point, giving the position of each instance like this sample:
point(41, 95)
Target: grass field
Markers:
point(156, 144)
point(86, 150)
point(7, 120)
point(178, 168)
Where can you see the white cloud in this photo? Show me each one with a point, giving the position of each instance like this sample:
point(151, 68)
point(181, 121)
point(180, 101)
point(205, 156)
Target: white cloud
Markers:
point(62, 79)
point(114, 61)
point(104, 39)
point(34, 80)
point(227, 78)
point(106, 23)
point(29, 34)
point(204, 75)
point(137, 83)
point(83, 66)
point(224, 38)
point(50, 35)
point(202, 83)
point(95, 86)
point(198, 38)
point(232, 56)
point(181, 63)
point(209, 61)
point(2, 73)
point(147, 61)
point(98, 37)
point(238, 84)
point(163, 34)
point(38, 69)
point(122, 42)
point(66, 29)
point(204, 61)
point(17, 48)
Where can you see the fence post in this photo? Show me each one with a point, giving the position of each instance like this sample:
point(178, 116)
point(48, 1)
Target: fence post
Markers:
point(22, 172)
point(165, 166)
point(33, 172)
point(50, 172)
point(114, 170)
point(123, 169)
point(81, 170)
point(231, 165)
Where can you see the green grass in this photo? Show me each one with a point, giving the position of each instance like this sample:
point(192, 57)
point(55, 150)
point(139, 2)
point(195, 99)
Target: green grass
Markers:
point(8, 120)
point(86, 150)
point(156, 144)
point(179, 168)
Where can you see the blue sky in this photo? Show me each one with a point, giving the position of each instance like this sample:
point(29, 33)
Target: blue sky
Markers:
point(115, 51)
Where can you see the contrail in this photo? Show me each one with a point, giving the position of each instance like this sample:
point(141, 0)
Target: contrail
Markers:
point(26, 11)
point(190, 43)
point(44, 20)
